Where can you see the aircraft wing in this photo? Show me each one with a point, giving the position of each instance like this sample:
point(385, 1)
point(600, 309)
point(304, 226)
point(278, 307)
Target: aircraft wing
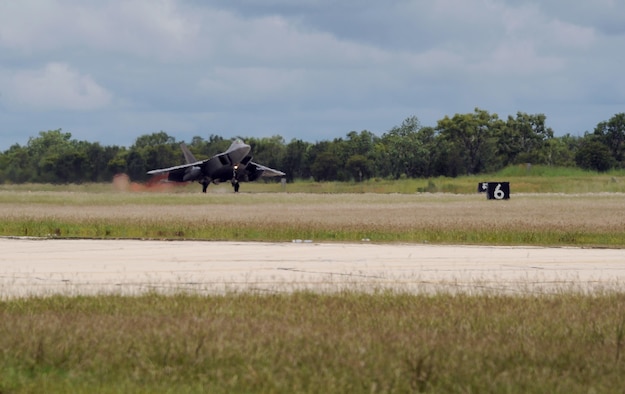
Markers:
point(266, 170)
point(175, 168)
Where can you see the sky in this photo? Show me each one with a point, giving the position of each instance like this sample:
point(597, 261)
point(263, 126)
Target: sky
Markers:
point(110, 71)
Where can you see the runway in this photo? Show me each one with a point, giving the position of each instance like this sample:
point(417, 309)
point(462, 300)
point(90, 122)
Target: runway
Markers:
point(41, 267)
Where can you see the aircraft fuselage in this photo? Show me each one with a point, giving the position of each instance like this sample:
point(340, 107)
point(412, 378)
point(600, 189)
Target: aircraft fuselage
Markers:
point(233, 165)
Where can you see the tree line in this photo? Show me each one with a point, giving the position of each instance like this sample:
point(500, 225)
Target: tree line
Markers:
point(465, 144)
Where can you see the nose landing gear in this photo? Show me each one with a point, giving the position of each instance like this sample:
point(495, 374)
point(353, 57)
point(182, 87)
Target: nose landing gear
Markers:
point(235, 179)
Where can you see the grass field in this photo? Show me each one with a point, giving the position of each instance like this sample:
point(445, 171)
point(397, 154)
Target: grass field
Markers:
point(306, 342)
point(596, 219)
point(385, 342)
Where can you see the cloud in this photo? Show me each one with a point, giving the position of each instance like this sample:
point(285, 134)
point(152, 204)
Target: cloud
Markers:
point(55, 87)
point(149, 28)
point(306, 68)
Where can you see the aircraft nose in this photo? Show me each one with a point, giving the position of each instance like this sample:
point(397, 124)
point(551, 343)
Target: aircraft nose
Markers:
point(241, 151)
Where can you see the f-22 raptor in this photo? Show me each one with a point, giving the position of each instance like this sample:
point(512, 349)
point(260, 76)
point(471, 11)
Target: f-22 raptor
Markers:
point(234, 165)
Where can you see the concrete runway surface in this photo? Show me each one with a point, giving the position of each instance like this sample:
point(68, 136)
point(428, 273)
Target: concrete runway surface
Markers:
point(48, 266)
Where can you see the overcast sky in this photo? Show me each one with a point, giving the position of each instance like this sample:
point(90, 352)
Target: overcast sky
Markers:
point(113, 70)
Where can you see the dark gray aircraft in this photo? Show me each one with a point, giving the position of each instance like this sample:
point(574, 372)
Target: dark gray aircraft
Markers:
point(234, 165)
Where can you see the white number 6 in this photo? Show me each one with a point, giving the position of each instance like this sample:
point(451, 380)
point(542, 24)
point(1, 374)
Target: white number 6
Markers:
point(498, 194)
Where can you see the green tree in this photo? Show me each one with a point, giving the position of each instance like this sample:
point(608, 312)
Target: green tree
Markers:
point(471, 141)
point(427, 144)
point(96, 166)
point(360, 167)
point(68, 166)
point(59, 159)
point(360, 143)
point(524, 139)
point(593, 154)
point(612, 134)
point(325, 167)
point(358, 152)
point(382, 168)
point(154, 139)
point(118, 164)
point(561, 151)
point(295, 164)
point(17, 165)
point(135, 166)
point(404, 149)
point(324, 162)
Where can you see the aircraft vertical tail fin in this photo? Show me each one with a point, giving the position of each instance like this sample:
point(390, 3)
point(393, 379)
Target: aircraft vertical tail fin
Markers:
point(188, 156)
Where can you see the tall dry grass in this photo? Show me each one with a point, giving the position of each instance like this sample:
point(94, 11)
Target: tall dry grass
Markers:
point(543, 219)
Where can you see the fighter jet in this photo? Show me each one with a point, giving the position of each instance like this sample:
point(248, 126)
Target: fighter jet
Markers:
point(234, 165)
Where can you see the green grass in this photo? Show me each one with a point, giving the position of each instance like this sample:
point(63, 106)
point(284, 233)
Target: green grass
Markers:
point(307, 342)
point(523, 179)
point(251, 232)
